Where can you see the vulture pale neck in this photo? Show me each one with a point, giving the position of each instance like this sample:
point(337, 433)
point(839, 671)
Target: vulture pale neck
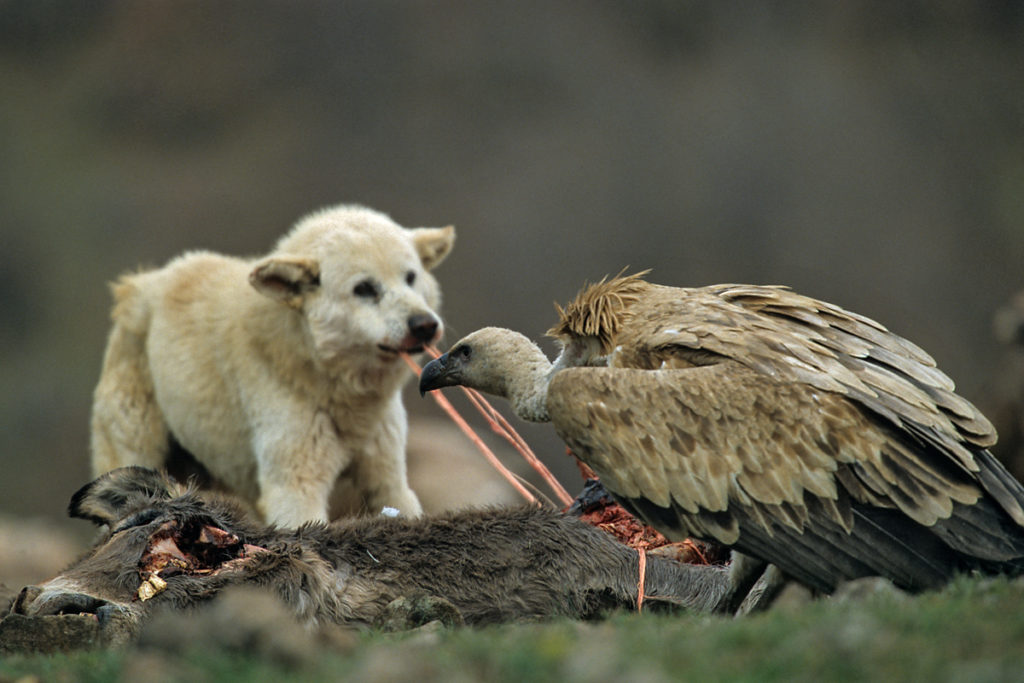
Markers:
point(527, 375)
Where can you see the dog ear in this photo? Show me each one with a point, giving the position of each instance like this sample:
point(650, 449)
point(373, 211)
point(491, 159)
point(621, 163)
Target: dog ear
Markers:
point(109, 497)
point(285, 278)
point(433, 244)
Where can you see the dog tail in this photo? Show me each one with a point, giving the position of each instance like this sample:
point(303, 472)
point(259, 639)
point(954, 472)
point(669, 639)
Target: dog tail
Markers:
point(127, 428)
point(131, 309)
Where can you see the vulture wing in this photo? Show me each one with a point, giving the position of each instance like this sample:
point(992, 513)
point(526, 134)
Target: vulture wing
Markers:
point(787, 472)
point(799, 339)
point(785, 426)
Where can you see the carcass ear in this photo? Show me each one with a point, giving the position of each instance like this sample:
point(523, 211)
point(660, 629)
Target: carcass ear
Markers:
point(433, 244)
point(109, 497)
point(285, 278)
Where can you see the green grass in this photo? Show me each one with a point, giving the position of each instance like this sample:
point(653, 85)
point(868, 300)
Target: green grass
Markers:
point(972, 631)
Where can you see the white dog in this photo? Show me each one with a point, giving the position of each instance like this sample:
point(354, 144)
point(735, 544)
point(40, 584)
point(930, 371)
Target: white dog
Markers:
point(278, 374)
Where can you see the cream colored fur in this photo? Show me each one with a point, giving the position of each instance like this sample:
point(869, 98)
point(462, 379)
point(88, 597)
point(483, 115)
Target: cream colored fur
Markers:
point(278, 374)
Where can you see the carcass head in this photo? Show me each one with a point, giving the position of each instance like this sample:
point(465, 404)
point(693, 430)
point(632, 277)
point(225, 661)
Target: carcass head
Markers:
point(159, 541)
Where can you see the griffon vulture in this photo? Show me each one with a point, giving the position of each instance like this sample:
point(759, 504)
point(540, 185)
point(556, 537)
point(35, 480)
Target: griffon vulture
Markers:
point(787, 428)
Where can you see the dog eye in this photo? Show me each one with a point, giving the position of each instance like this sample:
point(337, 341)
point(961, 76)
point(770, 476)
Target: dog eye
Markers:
point(366, 290)
point(410, 278)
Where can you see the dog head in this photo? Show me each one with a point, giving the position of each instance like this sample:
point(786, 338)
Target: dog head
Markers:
point(361, 281)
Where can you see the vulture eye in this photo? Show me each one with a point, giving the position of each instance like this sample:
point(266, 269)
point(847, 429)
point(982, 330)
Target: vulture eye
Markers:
point(366, 290)
point(410, 278)
point(464, 352)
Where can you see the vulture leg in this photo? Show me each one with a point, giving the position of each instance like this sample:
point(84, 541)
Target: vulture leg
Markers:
point(744, 572)
point(764, 591)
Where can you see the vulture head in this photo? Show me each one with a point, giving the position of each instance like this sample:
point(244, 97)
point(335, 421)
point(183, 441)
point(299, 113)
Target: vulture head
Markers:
point(498, 362)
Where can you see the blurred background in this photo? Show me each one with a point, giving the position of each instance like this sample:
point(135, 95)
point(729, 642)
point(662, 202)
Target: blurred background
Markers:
point(868, 153)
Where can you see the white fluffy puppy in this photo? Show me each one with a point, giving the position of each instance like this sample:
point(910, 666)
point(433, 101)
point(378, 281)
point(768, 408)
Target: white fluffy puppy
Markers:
point(280, 373)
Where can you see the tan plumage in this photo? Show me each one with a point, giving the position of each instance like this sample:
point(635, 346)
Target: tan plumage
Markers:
point(787, 427)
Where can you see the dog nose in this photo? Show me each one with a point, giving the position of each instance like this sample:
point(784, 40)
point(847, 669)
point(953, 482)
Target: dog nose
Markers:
point(423, 327)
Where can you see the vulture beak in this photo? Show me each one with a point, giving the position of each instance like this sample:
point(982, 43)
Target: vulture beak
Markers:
point(438, 373)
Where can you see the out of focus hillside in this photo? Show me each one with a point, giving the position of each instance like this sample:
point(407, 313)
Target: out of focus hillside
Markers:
point(868, 153)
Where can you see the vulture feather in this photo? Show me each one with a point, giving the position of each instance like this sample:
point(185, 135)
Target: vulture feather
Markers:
point(785, 427)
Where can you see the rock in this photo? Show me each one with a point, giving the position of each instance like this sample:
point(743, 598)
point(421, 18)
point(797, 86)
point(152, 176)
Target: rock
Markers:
point(867, 587)
point(49, 634)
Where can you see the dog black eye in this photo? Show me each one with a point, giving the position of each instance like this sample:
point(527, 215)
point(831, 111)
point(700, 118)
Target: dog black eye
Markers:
point(410, 278)
point(366, 290)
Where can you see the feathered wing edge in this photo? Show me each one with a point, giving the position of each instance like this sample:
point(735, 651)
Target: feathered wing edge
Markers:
point(890, 374)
